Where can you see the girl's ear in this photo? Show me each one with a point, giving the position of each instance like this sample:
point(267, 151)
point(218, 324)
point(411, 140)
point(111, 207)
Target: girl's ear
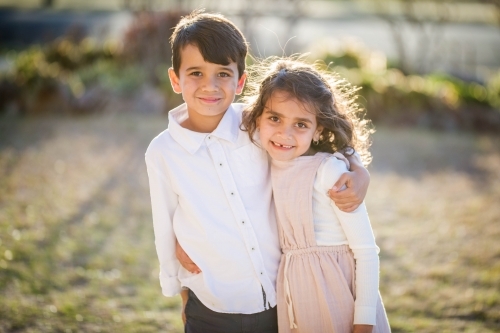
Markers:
point(174, 81)
point(241, 83)
point(317, 133)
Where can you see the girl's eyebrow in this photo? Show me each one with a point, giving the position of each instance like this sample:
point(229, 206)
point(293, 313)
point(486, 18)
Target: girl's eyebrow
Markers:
point(274, 113)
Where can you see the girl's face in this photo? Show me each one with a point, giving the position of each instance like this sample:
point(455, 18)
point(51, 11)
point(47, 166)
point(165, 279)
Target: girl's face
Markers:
point(287, 127)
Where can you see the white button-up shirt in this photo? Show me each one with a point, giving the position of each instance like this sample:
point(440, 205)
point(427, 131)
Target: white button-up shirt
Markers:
point(212, 191)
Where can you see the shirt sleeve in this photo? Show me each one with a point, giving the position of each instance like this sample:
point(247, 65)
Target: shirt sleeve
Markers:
point(164, 201)
point(359, 233)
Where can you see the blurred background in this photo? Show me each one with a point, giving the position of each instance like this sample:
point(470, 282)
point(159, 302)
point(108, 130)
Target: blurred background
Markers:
point(84, 89)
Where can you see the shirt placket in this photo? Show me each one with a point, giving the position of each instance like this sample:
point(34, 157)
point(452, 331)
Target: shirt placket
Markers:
point(242, 220)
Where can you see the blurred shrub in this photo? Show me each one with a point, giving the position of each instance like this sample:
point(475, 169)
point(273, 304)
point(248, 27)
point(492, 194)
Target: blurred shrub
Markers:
point(49, 79)
point(435, 101)
point(172, 98)
point(112, 76)
point(71, 56)
point(146, 41)
point(78, 75)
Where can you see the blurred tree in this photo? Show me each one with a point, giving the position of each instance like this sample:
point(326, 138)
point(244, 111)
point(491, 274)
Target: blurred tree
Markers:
point(426, 19)
point(495, 3)
point(429, 32)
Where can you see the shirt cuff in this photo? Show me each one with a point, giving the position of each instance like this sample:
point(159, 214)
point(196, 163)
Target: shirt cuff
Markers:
point(170, 286)
point(365, 315)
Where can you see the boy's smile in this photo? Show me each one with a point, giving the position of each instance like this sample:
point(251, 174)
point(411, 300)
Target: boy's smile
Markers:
point(207, 88)
point(287, 128)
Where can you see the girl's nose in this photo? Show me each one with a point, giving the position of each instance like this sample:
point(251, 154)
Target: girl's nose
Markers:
point(286, 132)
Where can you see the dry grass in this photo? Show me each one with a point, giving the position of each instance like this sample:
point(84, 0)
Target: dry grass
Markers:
point(76, 240)
point(434, 202)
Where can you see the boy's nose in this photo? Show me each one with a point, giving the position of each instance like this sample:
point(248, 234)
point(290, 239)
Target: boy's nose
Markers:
point(210, 84)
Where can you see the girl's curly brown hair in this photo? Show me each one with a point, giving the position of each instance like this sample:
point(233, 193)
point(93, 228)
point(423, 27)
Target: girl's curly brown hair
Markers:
point(333, 99)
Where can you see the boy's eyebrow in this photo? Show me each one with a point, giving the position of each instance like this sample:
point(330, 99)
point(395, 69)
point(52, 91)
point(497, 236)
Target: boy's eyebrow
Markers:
point(229, 69)
point(274, 113)
point(197, 68)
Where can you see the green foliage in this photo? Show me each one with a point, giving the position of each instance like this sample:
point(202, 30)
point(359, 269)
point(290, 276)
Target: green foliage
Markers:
point(57, 75)
point(113, 76)
point(64, 71)
point(436, 100)
point(72, 56)
point(347, 59)
point(58, 61)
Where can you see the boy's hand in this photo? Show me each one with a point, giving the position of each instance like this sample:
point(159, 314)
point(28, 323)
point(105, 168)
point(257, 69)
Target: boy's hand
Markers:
point(356, 182)
point(184, 297)
point(362, 329)
point(184, 259)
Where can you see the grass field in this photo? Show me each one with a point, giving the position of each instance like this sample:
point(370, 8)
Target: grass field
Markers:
point(76, 239)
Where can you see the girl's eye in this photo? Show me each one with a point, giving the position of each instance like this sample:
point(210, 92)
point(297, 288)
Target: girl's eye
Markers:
point(273, 118)
point(301, 125)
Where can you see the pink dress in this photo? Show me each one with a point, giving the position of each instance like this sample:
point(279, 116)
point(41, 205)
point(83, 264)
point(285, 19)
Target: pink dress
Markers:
point(316, 284)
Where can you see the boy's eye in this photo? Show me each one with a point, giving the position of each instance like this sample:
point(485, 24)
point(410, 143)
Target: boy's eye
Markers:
point(224, 74)
point(196, 74)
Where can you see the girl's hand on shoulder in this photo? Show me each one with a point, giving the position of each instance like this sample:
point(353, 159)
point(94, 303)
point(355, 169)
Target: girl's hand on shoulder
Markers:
point(362, 329)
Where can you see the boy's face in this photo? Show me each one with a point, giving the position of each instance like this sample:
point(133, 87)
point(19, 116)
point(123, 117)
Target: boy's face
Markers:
point(207, 88)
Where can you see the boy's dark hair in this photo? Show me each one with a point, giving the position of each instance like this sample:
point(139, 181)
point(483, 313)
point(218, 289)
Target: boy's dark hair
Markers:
point(329, 97)
point(217, 38)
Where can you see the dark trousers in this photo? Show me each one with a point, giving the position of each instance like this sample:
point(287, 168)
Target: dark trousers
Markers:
point(200, 319)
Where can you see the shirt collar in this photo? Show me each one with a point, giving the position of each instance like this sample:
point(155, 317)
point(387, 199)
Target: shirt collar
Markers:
point(227, 129)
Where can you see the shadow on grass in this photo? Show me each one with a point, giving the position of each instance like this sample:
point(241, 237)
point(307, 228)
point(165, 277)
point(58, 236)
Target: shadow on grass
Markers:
point(426, 152)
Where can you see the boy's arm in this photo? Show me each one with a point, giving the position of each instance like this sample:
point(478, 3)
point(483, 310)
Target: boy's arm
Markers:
point(164, 201)
point(356, 182)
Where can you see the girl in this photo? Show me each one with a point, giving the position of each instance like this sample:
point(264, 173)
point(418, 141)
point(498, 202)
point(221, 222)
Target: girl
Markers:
point(329, 272)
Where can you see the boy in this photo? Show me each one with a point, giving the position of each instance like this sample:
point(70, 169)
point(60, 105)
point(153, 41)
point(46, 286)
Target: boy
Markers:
point(211, 190)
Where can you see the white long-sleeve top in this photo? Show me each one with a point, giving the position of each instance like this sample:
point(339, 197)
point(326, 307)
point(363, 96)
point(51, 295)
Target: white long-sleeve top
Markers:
point(335, 227)
point(212, 191)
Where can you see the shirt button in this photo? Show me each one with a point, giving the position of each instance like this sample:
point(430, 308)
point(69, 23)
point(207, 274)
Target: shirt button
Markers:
point(261, 273)
point(220, 164)
point(253, 248)
point(232, 193)
point(242, 222)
